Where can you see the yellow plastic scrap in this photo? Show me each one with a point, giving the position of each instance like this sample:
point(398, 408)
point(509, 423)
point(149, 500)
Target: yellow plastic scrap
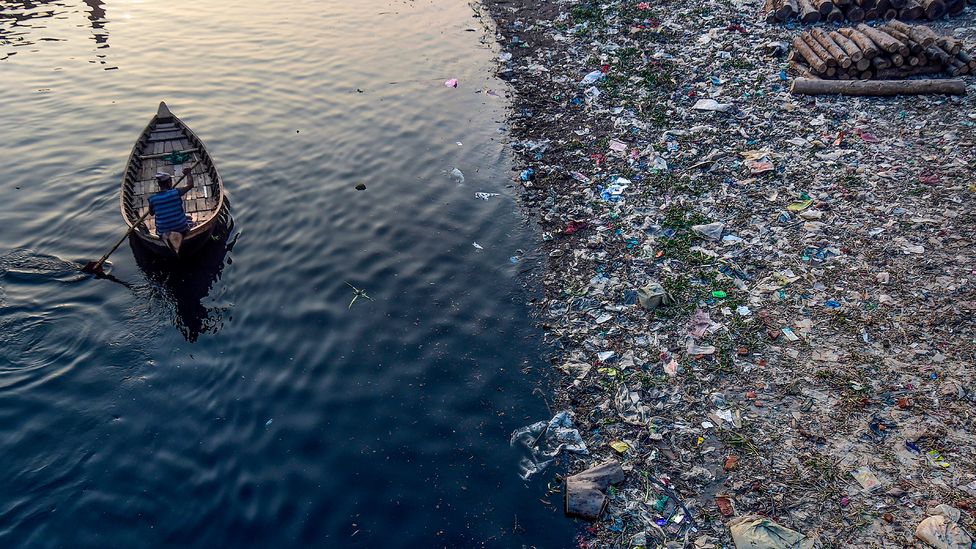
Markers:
point(937, 459)
point(799, 206)
point(620, 446)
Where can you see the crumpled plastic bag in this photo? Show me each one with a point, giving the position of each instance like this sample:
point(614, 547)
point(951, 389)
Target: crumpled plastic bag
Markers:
point(711, 105)
point(543, 441)
point(652, 295)
point(695, 349)
point(458, 176)
point(630, 408)
point(942, 531)
point(591, 78)
point(758, 532)
point(711, 231)
point(699, 324)
point(614, 191)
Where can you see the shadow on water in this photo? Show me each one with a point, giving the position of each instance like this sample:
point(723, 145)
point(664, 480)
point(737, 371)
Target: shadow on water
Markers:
point(186, 283)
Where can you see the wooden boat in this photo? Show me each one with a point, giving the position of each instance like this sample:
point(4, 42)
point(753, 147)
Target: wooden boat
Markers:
point(167, 145)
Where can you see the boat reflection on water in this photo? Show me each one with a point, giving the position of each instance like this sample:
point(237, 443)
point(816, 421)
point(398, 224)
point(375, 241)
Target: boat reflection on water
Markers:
point(186, 283)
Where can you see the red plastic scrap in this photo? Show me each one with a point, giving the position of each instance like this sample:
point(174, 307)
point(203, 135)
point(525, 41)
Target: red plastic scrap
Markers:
point(737, 27)
point(866, 137)
point(967, 504)
point(724, 506)
point(573, 226)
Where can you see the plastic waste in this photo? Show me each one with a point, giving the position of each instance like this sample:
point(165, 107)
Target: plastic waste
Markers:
point(824, 201)
point(452, 83)
point(485, 196)
point(941, 530)
point(591, 78)
point(458, 176)
point(725, 506)
point(695, 349)
point(543, 441)
point(619, 446)
point(758, 532)
point(699, 324)
point(630, 408)
point(614, 192)
point(711, 105)
point(868, 481)
point(711, 231)
point(799, 206)
point(585, 492)
point(652, 295)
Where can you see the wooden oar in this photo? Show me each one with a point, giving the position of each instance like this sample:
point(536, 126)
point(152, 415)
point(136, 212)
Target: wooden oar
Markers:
point(95, 267)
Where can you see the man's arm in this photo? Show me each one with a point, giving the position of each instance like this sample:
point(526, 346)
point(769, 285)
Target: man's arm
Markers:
point(189, 181)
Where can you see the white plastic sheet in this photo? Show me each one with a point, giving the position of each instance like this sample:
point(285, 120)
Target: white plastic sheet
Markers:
point(543, 441)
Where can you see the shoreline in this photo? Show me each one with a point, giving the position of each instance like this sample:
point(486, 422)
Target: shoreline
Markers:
point(816, 364)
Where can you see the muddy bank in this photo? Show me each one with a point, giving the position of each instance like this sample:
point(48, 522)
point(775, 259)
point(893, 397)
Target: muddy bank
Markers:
point(762, 303)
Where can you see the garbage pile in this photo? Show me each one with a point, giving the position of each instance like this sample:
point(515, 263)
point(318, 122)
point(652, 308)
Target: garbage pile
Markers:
point(761, 304)
point(893, 51)
point(855, 11)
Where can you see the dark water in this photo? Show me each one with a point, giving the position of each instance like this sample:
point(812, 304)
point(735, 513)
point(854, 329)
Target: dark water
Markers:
point(239, 400)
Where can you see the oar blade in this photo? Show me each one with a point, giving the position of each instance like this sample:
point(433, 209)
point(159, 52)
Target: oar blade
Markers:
point(94, 267)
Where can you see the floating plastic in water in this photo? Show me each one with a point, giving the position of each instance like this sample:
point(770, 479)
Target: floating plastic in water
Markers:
point(543, 441)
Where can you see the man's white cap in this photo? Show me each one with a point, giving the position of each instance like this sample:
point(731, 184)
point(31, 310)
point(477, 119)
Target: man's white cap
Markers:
point(163, 176)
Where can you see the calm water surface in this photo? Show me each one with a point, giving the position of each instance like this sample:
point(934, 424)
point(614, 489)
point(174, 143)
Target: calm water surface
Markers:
point(239, 401)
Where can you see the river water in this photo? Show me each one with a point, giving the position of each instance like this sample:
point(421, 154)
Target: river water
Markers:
point(239, 400)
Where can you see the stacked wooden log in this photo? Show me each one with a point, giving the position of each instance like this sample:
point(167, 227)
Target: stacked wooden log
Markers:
point(889, 52)
point(855, 11)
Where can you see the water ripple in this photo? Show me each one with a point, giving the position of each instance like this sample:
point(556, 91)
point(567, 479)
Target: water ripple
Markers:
point(238, 400)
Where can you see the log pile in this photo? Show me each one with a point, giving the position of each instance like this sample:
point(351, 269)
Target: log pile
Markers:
point(944, 86)
point(855, 11)
point(890, 52)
